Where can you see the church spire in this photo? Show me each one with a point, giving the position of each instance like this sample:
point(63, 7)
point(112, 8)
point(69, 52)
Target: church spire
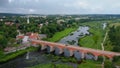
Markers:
point(28, 21)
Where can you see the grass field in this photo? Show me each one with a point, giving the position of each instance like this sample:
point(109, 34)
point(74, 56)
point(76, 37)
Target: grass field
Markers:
point(57, 36)
point(50, 65)
point(114, 24)
point(95, 39)
point(90, 64)
point(85, 64)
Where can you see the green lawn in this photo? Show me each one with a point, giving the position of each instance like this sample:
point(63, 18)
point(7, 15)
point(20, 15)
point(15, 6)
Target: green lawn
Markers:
point(57, 36)
point(94, 40)
point(87, 42)
point(50, 65)
point(89, 64)
point(85, 64)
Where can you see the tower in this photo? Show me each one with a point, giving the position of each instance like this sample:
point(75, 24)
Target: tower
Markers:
point(28, 21)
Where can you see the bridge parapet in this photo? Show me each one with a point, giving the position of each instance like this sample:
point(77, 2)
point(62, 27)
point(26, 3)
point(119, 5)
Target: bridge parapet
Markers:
point(72, 48)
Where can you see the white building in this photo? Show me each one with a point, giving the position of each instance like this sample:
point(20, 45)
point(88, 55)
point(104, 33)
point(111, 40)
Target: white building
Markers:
point(25, 39)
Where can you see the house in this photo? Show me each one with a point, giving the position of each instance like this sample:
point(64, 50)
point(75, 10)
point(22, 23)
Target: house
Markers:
point(28, 36)
point(10, 23)
point(25, 39)
point(40, 25)
point(60, 21)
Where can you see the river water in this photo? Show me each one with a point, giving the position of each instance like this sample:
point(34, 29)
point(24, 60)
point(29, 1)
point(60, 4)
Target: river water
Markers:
point(73, 40)
point(38, 57)
point(75, 36)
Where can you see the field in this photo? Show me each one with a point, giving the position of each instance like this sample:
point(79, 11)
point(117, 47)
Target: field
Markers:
point(96, 36)
point(85, 64)
point(50, 65)
point(57, 36)
point(114, 24)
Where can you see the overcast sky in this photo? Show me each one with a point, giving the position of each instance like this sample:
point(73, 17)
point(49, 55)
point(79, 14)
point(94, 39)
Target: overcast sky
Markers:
point(60, 6)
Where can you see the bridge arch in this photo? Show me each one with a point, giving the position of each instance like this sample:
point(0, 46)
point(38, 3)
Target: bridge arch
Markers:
point(92, 55)
point(83, 53)
point(58, 50)
point(78, 55)
point(43, 46)
point(50, 48)
point(70, 49)
point(68, 52)
point(110, 56)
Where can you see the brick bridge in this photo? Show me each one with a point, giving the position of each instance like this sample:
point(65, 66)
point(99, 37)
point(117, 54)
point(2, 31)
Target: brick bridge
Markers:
point(71, 49)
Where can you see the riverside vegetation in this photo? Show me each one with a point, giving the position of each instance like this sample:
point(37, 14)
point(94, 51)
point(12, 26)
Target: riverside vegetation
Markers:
point(55, 31)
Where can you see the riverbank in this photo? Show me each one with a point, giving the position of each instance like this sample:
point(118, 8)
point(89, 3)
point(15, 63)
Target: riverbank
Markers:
point(68, 62)
point(57, 36)
point(10, 56)
point(95, 38)
point(85, 65)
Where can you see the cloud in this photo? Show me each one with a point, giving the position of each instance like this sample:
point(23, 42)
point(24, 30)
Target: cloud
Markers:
point(60, 6)
point(10, 1)
point(84, 7)
point(31, 10)
point(97, 9)
point(3, 2)
point(81, 4)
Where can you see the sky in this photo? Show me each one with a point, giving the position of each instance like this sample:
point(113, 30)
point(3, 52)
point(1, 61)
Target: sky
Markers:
point(60, 6)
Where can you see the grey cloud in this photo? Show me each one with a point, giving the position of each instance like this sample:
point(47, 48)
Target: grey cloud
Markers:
point(3, 2)
point(59, 6)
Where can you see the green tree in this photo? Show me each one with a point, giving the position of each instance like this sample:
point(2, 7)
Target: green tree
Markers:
point(108, 64)
point(3, 41)
point(114, 37)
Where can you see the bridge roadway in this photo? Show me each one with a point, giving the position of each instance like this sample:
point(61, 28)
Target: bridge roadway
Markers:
point(72, 48)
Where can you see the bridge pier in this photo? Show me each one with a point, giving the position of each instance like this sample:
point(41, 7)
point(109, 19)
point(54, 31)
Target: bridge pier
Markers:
point(110, 57)
point(43, 47)
point(96, 57)
point(52, 48)
point(71, 52)
point(83, 55)
point(60, 50)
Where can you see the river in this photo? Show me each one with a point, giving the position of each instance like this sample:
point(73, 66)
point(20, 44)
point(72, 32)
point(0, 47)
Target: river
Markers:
point(38, 57)
point(75, 36)
point(73, 40)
